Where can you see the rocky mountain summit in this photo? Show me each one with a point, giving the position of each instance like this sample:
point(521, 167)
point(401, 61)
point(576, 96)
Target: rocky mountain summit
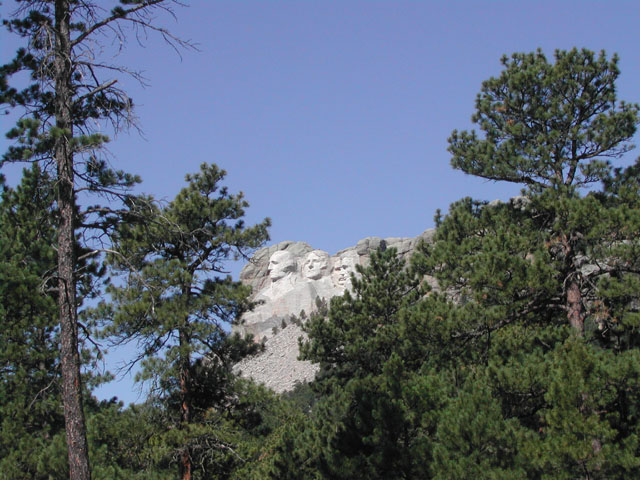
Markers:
point(288, 278)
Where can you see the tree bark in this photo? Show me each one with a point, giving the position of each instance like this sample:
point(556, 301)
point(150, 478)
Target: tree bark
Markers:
point(77, 447)
point(185, 405)
point(574, 307)
point(575, 311)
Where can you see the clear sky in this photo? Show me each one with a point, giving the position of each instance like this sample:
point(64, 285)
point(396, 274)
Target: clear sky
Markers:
point(333, 116)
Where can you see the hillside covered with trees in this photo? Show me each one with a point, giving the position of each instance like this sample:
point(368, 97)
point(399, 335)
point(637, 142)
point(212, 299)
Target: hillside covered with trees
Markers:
point(523, 362)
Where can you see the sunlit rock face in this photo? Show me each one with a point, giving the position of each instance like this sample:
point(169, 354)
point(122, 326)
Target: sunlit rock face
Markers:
point(289, 278)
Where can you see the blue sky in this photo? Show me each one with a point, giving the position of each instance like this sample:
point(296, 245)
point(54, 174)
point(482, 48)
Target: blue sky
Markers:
point(333, 116)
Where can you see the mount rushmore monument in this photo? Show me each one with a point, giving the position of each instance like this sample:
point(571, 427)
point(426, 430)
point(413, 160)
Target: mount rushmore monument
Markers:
point(288, 278)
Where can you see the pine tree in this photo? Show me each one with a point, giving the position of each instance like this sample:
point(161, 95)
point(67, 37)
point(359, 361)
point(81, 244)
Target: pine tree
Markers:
point(551, 127)
point(33, 432)
point(63, 111)
point(362, 326)
point(176, 302)
point(30, 408)
point(379, 397)
point(547, 283)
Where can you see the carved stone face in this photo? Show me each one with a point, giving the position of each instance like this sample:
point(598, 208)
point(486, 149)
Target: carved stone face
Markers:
point(280, 264)
point(314, 264)
point(341, 273)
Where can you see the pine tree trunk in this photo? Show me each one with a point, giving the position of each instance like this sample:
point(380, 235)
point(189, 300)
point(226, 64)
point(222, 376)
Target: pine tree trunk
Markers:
point(574, 307)
point(70, 359)
point(575, 311)
point(185, 406)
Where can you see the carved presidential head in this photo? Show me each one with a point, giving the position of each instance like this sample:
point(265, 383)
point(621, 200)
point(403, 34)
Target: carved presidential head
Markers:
point(281, 263)
point(315, 264)
point(343, 266)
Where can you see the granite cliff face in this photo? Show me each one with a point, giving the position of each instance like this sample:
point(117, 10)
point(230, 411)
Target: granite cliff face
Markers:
point(287, 279)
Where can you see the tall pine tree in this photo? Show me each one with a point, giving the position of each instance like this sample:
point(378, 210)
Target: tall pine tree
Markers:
point(547, 282)
point(552, 127)
point(71, 97)
point(178, 302)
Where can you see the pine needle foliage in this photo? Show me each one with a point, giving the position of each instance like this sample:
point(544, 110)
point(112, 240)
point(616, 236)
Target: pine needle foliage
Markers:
point(177, 301)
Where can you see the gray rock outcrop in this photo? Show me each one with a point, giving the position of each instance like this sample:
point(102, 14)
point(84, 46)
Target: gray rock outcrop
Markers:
point(288, 278)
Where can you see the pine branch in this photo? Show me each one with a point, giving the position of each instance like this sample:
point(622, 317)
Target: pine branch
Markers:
point(99, 89)
point(118, 15)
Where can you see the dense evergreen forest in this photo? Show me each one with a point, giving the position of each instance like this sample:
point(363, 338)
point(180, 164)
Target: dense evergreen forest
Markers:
point(523, 362)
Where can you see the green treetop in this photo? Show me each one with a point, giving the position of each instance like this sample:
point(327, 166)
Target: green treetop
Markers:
point(547, 124)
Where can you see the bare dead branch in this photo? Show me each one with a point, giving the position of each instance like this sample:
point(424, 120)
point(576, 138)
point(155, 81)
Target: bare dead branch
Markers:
point(102, 87)
point(120, 15)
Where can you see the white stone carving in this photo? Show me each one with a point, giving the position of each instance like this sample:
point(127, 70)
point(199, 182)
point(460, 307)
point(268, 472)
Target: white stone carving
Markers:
point(283, 273)
point(316, 268)
point(293, 283)
point(288, 278)
point(288, 293)
point(343, 266)
point(315, 264)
